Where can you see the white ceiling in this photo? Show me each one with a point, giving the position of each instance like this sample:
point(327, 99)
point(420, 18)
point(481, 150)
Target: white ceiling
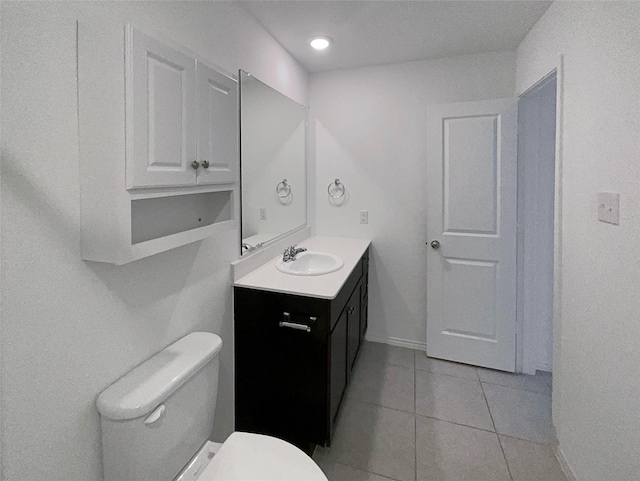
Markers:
point(382, 32)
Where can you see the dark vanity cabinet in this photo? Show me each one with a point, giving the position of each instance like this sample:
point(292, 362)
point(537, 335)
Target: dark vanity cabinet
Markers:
point(293, 358)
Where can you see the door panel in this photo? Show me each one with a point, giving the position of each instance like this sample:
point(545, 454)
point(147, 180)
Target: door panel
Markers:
point(471, 277)
point(476, 283)
point(160, 103)
point(217, 127)
point(470, 169)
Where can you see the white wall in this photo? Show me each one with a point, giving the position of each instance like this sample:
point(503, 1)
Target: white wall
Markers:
point(70, 328)
point(597, 353)
point(370, 132)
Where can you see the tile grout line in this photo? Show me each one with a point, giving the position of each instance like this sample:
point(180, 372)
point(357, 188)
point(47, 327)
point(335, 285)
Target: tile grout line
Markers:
point(448, 375)
point(520, 388)
point(496, 430)
point(383, 363)
point(465, 426)
point(539, 443)
point(383, 406)
point(516, 388)
point(437, 419)
point(459, 424)
point(366, 471)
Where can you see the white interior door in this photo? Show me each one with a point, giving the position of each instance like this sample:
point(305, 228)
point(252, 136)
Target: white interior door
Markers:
point(161, 137)
point(217, 127)
point(471, 213)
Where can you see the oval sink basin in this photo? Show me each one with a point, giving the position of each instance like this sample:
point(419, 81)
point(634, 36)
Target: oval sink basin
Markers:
point(311, 263)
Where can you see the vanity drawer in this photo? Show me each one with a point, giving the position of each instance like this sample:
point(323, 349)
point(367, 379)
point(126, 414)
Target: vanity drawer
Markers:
point(259, 309)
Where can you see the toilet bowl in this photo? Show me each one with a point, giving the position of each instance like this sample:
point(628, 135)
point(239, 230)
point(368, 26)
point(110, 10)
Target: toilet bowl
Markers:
point(246, 456)
point(156, 421)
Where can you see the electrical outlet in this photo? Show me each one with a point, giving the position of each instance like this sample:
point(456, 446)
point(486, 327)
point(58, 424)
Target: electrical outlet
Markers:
point(364, 216)
point(263, 214)
point(609, 208)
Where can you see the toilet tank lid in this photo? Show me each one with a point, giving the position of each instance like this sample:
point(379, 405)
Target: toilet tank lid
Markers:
point(153, 381)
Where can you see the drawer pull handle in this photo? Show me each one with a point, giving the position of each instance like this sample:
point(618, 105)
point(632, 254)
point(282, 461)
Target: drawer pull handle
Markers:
point(293, 325)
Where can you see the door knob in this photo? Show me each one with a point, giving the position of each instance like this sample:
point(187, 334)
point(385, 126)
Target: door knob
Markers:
point(205, 164)
point(195, 164)
point(435, 244)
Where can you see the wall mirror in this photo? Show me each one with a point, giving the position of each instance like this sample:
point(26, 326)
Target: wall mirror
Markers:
point(273, 163)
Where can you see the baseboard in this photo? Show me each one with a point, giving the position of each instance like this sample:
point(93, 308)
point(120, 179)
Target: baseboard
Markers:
point(394, 341)
point(545, 366)
point(564, 465)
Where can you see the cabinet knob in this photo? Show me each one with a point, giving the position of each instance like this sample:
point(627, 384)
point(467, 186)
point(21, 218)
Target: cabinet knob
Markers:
point(205, 164)
point(195, 164)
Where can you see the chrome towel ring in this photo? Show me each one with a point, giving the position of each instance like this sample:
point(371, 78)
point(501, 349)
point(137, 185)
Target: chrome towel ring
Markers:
point(283, 189)
point(337, 191)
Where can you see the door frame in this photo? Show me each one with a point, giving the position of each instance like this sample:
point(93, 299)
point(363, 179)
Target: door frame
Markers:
point(524, 331)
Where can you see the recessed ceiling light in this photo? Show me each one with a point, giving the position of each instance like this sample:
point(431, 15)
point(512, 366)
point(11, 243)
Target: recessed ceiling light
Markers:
point(320, 43)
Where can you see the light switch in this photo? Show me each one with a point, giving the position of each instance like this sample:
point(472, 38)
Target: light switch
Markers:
point(609, 208)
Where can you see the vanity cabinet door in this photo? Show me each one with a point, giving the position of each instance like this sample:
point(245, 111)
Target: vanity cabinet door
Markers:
point(364, 296)
point(364, 309)
point(217, 127)
point(160, 110)
point(338, 357)
point(281, 367)
point(353, 316)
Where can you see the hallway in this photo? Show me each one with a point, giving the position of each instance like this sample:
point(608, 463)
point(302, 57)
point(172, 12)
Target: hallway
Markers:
point(408, 417)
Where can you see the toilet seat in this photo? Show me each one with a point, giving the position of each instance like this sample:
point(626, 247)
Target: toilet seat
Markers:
point(255, 457)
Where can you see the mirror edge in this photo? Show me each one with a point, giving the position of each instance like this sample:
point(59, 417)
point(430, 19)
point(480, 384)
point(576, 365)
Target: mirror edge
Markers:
point(274, 240)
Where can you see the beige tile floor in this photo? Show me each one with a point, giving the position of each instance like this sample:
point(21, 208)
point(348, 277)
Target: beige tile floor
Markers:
point(410, 418)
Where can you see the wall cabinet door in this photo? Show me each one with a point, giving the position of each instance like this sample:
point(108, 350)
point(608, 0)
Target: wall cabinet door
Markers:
point(217, 127)
point(161, 120)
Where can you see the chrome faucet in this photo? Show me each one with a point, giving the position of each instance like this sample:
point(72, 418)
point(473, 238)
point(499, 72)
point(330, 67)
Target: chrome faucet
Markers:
point(246, 248)
point(291, 252)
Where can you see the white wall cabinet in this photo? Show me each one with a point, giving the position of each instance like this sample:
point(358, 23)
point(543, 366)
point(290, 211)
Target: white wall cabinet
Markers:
point(147, 110)
point(181, 117)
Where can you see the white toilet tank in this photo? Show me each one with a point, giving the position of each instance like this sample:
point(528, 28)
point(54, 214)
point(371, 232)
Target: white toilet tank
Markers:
point(156, 417)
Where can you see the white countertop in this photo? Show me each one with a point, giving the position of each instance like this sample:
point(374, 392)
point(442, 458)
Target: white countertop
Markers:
point(327, 286)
